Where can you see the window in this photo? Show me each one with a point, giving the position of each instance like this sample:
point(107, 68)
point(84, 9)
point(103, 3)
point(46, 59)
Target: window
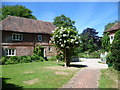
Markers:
point(39, 37)
point(112, 37)
point(50, 49)
point(10, 52)
point(17, 37)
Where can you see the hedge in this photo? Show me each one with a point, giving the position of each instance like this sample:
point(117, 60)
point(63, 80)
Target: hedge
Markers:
point(21, 59)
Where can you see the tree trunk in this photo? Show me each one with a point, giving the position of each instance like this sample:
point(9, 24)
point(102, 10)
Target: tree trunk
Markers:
point(67, 58)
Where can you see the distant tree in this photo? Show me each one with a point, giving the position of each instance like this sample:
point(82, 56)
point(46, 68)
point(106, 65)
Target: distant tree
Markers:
point(109, 25)
point(16, 10)
point(63, 21)
point(90, 41)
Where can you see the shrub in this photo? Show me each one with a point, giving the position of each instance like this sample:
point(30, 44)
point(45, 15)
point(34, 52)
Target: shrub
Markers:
point(109, 59)
point(115, 51)
point(13, 60)
point(3, 59)
point(95, 54)
point(42, 59)
point(21, 59)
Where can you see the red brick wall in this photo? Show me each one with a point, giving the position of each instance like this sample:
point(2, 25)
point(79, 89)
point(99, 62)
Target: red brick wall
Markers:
point(27, 37)
point(21, 50)
point(48, 53)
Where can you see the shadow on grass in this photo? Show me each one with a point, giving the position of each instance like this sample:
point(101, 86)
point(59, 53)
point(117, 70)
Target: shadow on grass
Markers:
point(6, 86)
point(75, 65)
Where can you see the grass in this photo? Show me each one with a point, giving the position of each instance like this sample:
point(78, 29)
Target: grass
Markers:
point(47, 74)
point(108, 78)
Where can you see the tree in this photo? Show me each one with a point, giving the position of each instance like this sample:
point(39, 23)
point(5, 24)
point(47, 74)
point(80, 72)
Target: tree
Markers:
point(89, 40)
point(115, 51)
point(109, 25)
point(63, 21)
point(17, 10)
point(66, 40)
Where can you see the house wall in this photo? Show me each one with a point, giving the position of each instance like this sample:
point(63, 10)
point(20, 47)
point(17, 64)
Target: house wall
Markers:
point(48, 53)
point(27, 37)
point(26, 46)
point(21, 50)
point(0, 44)
point(111, 37)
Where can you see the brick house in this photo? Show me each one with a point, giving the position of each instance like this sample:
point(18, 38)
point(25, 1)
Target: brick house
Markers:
point(112, 31)
point(18, 36)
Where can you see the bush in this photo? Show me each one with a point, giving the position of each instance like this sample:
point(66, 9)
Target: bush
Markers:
point(13, 60)
point(109, 59)
point(115, 51)
point(21, 59)
point(95, 54)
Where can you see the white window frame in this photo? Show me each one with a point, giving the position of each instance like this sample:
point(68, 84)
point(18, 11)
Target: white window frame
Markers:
point(17, 35)
point(111, 40)
point(39, 36)
point(12, 51)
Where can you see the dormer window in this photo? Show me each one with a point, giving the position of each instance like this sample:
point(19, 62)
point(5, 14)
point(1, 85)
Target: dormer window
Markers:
point(17, 37)
point(39, 37)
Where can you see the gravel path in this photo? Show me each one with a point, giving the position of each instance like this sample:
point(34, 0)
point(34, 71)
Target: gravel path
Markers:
point(87, 77)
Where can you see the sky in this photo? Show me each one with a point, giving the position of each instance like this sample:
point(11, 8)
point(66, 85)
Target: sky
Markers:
point(85, 14)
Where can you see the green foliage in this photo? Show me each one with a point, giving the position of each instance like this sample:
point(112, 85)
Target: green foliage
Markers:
point(86, 54)
point(89, 40)
point(109, 25)
point(66, 40)
point(115, 51)
point(105, 42)
point(109, 58)
point(63, 21)
point(21, 59)
point(16, 10)
point(38, 50)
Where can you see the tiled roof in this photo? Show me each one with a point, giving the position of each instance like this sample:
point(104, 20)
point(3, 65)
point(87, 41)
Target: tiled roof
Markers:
point(114, 28)
point(19, 24)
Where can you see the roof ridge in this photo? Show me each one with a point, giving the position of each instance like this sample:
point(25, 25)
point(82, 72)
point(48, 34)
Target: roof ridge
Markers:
point(112, 26)
point(26, 18)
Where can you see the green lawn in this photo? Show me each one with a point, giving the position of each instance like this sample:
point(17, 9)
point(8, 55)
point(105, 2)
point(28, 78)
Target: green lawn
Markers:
point(47, 74)
point(108, 78)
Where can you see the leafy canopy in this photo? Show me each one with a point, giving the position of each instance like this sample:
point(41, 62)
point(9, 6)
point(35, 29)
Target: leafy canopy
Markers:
point(16, 10)
point(89, 40)
point(63, 21)
point(65, 38)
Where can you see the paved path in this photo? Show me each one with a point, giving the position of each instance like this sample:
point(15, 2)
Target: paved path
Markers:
point(87, 77)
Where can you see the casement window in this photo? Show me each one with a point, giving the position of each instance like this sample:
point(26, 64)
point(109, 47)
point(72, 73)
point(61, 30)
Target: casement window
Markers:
point(50, 49)
point(17, 37)
point(39, 37)
point(10, 52)
point(111, 38)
